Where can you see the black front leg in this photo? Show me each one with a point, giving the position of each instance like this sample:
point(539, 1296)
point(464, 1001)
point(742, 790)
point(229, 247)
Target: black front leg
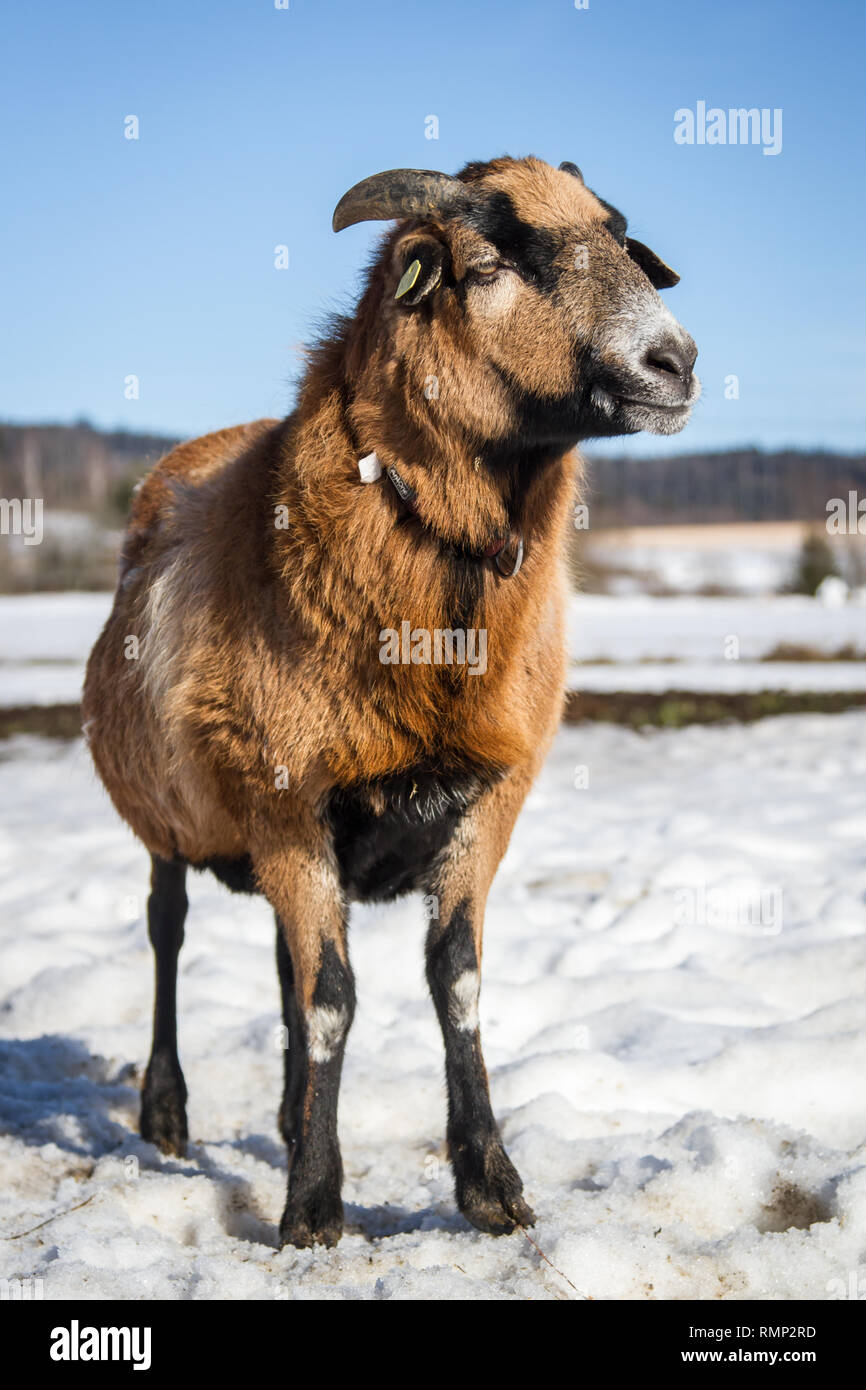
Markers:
point(488, 1186)
point(293, 1043)
point(163, 1097)
point(296, 872)
point(314, 1207)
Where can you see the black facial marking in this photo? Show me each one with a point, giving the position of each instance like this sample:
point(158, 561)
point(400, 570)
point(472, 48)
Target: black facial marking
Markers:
point(533, 250)
point(521, 458)
point(544, 425)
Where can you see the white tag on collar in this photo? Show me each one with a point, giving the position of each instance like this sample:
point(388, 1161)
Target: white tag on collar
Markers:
point(369, 468)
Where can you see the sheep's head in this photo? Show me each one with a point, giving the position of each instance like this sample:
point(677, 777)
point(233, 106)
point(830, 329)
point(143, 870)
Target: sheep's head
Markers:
point(515, 289)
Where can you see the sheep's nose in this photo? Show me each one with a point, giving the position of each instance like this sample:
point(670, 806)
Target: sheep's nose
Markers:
point(672, 356)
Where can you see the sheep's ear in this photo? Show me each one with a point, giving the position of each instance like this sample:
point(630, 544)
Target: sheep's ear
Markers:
point(652, 265)
point(420, 263)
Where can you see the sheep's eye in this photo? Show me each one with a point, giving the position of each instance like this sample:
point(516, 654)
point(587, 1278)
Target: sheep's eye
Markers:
point(488, 270)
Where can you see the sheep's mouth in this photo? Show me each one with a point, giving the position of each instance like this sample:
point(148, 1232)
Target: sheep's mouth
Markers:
point(602, 407)
point(624, 413)
point(656, 417)
point(648, 404)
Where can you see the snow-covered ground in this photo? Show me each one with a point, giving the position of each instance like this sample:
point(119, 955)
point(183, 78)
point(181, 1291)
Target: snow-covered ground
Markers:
point(721, 676)
point(642, 628)
point(759, 557)
point(750, 558)
point(674, 1019)
point(716, 644)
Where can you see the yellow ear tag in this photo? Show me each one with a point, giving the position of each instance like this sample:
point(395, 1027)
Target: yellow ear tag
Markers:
point(408, 279)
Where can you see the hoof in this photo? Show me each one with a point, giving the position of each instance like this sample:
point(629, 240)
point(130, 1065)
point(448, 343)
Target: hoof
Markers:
point(316, 1221)
point(491, 1198)
point(164, 1125)
point(498, 1216)
point(163, 1108)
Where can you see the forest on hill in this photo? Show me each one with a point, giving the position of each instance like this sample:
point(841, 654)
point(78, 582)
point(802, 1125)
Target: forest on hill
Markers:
point(78, 467)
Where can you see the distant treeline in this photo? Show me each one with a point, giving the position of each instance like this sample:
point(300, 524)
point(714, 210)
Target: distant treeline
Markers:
point(731, 485)
point(82, 468)
point(76, 466)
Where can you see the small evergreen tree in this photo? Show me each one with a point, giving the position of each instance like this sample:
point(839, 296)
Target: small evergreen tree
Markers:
point(816, 561)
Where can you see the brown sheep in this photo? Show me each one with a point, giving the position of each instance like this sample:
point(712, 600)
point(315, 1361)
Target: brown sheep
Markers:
point(286, 692)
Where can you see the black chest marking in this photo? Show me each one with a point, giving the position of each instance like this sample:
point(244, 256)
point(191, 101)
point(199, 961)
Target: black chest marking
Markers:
point(389, 834)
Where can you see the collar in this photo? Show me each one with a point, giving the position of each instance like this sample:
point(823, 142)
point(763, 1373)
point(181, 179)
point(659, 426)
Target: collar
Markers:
point(506, 551)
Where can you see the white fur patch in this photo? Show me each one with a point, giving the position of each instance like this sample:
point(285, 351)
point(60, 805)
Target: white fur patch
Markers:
point(463, 1006)
point(326, 1028)
point(640, 319)
point(499, 295)
point(329, 880)
point(164, 618)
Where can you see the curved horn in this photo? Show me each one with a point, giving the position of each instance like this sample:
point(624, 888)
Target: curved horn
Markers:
point(397, 193)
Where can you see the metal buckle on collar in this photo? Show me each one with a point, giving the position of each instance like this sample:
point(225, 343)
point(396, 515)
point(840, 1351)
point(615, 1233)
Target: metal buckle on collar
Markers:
point(407, 497)
point(518, 559)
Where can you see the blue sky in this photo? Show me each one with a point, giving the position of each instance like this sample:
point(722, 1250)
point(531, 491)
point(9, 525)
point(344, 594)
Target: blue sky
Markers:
point(155, 257)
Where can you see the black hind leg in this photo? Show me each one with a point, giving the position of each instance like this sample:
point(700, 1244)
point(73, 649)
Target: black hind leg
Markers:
point(293, 1054)
point(163, 1097)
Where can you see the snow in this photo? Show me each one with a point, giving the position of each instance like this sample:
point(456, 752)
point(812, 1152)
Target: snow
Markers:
point(51, 627)
point(672, 1008)
point(714, 643)
point(641, 627)
point(721, 676)
point(40, 683)
point(44, 643)
point(756, 557)
point(748, 558)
